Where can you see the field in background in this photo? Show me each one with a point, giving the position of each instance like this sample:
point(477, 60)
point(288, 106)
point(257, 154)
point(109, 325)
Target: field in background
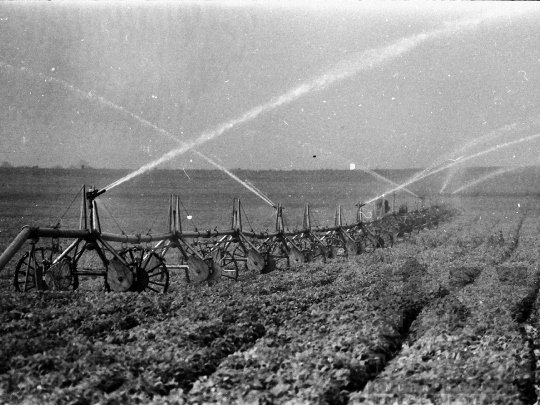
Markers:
point(39, 196)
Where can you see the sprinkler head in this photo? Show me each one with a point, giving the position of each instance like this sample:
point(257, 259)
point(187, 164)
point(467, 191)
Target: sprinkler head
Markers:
point(92, 194)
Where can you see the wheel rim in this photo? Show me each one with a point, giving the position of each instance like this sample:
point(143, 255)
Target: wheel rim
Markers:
point(59, 276)
point(21, 271)
point(37, 259)
point(148, 268)
point(229, 266)
point(158, 275)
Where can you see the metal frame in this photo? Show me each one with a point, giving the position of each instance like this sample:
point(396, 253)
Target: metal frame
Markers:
point(209, 255)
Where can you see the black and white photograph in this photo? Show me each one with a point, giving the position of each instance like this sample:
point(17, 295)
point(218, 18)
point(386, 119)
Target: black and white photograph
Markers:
point(269, 202)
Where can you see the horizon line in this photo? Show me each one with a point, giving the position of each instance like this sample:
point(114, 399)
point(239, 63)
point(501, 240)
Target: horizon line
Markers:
point(72, 167)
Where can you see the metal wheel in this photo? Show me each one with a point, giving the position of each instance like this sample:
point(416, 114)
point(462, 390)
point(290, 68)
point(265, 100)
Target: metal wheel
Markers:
point(60, 276)
point(306, 247)
point(229, 265)
point(149, 270)
point(33, 267)
point(276, 254)
point(337, 247)
point(25, 272)
point(236, 252)
point(319, 252)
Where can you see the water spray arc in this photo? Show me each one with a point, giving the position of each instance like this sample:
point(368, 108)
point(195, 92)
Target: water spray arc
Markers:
point(462, 160)
point(247, 185)
point(491, 136)
point(362, 61)
point(357, 167)
point(451, 173)
point(459, 153)
point(209, 258)
point(484, 178)
point(346, 69)
point(92, 97)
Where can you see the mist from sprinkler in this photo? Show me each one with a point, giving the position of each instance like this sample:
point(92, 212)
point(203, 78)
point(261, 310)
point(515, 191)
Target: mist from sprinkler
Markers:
point(348, 68)
point(343, 70)
point(491, 136)
point(451, 173)
point(90, 96)
point(457, 154)
point(247, 185)
point(484, 178)
point(361, 168)
point(462, 160)
point(101, 100)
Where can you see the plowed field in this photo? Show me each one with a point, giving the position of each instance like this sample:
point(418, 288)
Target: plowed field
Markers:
point(449, 315)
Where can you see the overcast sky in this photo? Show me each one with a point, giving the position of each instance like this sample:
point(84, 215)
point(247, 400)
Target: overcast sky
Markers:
point(116, 84)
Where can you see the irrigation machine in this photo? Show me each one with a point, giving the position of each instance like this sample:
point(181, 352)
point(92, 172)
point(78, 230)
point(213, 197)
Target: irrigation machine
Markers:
point(144, 262)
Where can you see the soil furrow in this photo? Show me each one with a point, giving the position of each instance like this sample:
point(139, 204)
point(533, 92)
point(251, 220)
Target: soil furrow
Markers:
point(452, 332)
point(413, 328)
point(523, 314)
point(339, 345)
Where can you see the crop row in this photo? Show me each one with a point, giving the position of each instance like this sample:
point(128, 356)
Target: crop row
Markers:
point(469, 347)
point(86, 346)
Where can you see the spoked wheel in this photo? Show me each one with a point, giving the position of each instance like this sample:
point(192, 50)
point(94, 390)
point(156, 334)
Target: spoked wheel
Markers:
point(60, 276)
point(149, 270)
point(337, 247)
point(271, 252)
point(236, 252)
point(319, 252)
point(306, 248)
point(229, 265)
point(25, 272)
point(39, 261)
point(276, 253)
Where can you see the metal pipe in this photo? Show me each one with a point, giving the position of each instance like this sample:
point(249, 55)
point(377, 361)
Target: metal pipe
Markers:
point(112, 237)
point(29, 232)
point(83, 223)
point(89, 273)
point(14, 246)
point(59, 233)
point(206, 234)
point(67, 250)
